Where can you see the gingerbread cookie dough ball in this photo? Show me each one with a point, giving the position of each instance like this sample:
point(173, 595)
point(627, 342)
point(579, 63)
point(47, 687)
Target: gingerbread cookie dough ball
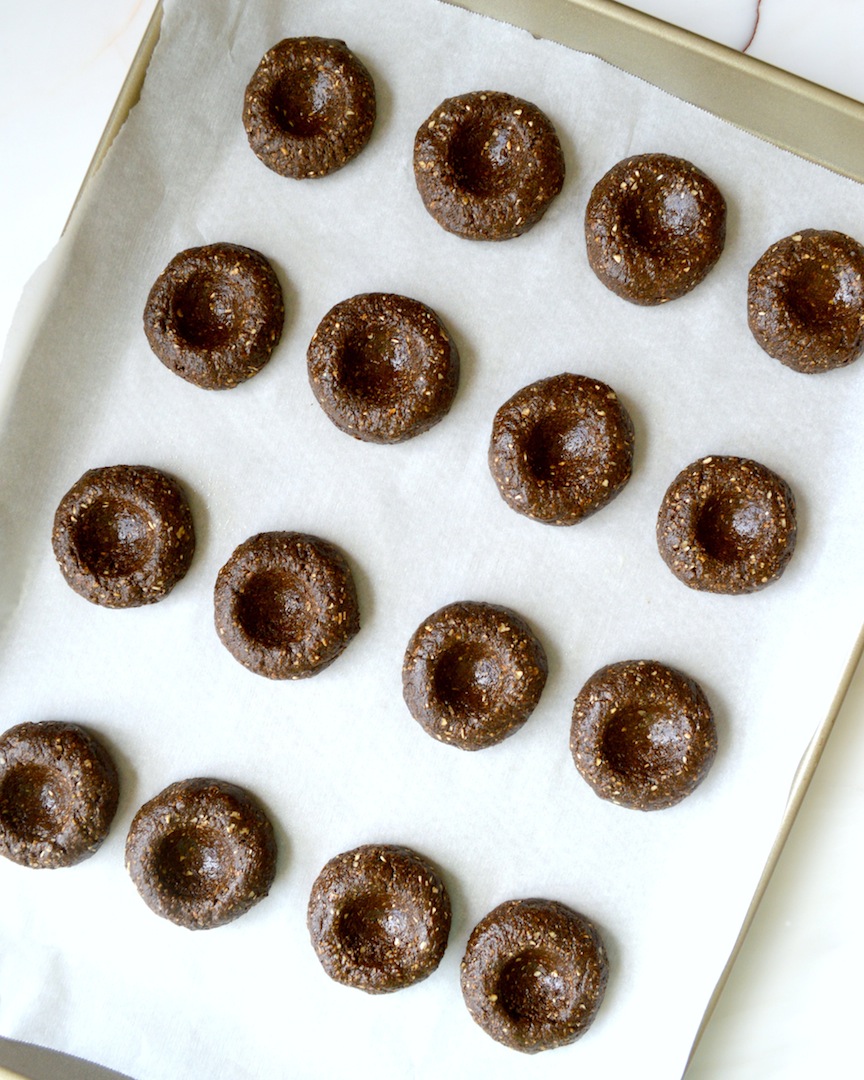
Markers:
point(561, 449)
point(654, 226)
point(727, 525)
point(473, 673)
point(487, 165)
point(286, 604)
point(379, 918)
point(215, 314)
point(642, 734)
point(58, 794)
point(805, 301)
point(309, 108)
point(201, 853)
point(123, 535)
point(383, 367)
point(534, 974)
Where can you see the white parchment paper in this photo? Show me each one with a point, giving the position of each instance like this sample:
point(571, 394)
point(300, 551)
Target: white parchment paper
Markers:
point(338, 761)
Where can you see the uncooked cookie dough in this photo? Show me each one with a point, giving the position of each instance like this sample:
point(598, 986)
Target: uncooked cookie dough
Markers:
point(654, 226)
point(58, 794)
point(379, 918)
point(123, 535)
point(561, 448)
point(383, 367)
point(534, 974)
point(201, 853)
point(215, 314)
point(286, 604)
point(642, 734)
point(727, 525)
point(473, 673)
point(487, 165)
point(805, 300)
point(309, 108)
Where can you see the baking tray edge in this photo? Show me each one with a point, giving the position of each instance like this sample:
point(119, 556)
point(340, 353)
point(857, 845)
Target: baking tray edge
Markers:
point(129, 94)
point(791, 112)
point(818, 124)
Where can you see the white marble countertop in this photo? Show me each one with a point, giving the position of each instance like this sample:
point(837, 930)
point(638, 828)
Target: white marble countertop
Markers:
point(790, 1009)
point(817, 39)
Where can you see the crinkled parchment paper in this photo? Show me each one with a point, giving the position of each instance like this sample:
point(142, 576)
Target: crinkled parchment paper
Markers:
point(84, 965)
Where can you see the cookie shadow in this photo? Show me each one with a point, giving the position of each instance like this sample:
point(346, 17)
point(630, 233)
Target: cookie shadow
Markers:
point(129, 794)
point(467, 358)
point(291, 303)
point(384, 102)
point(365, 592)
point(723, 727)
point(284, 848)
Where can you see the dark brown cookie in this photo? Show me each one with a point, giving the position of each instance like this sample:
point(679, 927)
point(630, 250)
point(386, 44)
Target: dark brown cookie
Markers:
point(534, 974)
point(473, 673)
point(654, 226)
point(642, 734)
point(309, 108)
point(215, 314)
point(379, 918)
point(383, 367)
point(123, 535)
point(561, 449)
point(805, 300)
point(58, 794)
point(487, 165)
point(201, 853)
point(286, 604)
point(727, 525)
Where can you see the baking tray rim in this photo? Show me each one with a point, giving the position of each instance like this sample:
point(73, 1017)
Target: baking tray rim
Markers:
point(601, 35)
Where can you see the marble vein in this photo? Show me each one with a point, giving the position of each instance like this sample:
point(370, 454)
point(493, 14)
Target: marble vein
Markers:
point(755, 26)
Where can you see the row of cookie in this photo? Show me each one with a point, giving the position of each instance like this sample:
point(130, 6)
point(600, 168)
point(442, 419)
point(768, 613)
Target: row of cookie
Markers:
point(286, 607)
point(286, 604)
point(203, 852)
point(384, 368)
point(488, 164)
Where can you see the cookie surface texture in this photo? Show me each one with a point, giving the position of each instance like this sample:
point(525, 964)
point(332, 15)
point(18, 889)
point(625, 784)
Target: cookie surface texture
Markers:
point(473, 673)
point(215, 314)
point(379, 918)
point(727, 525)
point(201, 853)
point(58, 794)
point(805, 301)
point(642, 734)
point(383, 367)
point(286, 604)
point(534, 974)
point(123, 535)
point(561, 449)
point(487, 165)
point(309, 108)
point(654, 227)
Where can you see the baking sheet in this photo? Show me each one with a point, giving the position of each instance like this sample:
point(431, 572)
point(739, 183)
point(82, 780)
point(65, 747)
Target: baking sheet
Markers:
point(337, 759)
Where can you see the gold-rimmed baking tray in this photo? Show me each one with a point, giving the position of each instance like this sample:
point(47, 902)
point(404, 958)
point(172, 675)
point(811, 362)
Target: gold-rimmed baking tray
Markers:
point(709, 76)
point(787, 110)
